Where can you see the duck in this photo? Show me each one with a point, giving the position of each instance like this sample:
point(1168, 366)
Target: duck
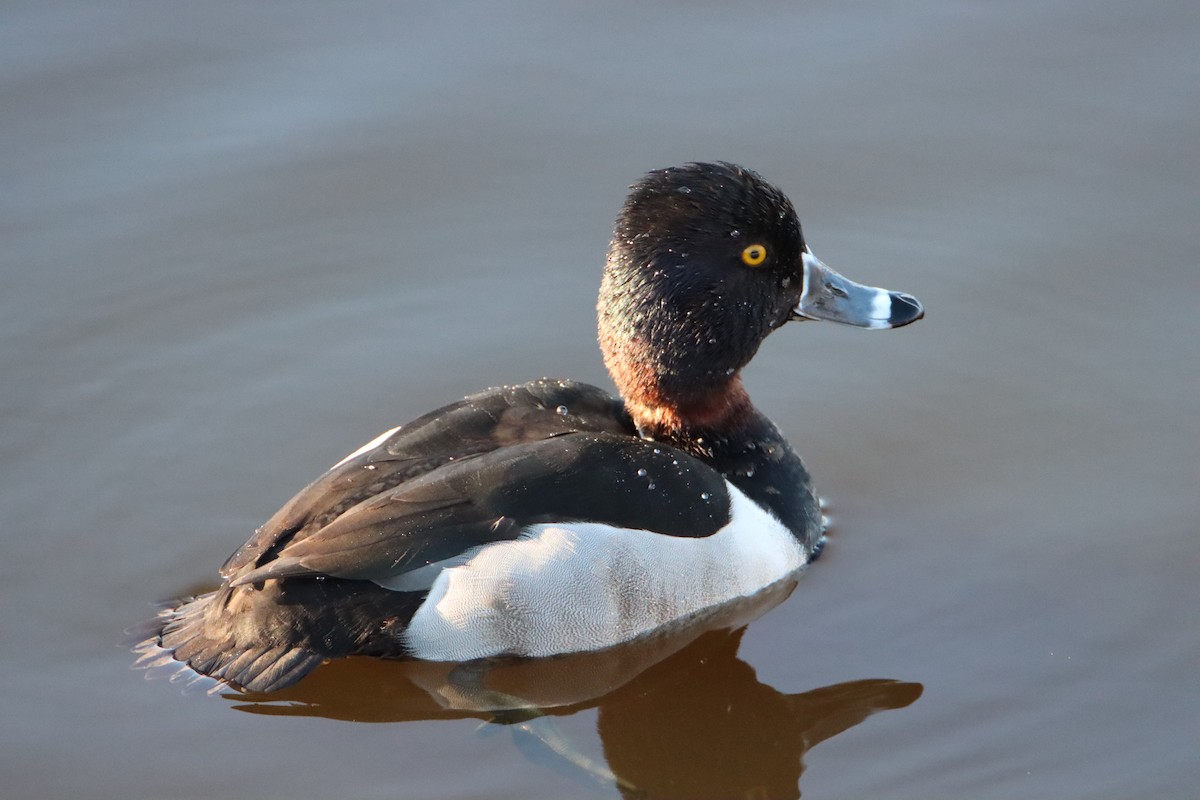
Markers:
point(550, 517)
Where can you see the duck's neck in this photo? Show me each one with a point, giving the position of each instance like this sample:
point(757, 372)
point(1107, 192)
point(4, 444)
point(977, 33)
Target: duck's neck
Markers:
point(681, 416)
point(672, 392)
point(719, 426)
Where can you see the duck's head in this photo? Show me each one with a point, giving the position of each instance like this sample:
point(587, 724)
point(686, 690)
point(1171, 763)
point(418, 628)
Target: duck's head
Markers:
point(705, 261)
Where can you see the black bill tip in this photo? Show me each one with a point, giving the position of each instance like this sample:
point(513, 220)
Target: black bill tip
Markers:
point(905, 309)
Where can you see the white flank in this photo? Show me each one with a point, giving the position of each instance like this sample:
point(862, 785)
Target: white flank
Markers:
point(573, 587)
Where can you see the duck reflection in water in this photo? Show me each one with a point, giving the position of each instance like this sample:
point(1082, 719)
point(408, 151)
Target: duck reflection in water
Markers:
point(666, 704)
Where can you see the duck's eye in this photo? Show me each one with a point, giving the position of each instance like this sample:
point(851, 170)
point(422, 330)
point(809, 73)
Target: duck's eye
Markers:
point(754, 255)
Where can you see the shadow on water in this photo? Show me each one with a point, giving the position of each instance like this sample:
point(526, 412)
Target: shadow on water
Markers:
point(666, 705)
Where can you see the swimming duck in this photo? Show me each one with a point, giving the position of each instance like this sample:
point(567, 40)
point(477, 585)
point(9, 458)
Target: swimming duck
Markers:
point(550, 517)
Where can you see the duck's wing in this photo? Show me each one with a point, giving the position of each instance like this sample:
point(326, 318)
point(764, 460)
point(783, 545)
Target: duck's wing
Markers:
point(480, 423)
point(605, 478)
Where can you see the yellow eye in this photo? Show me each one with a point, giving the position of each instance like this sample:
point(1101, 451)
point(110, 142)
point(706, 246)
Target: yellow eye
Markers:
point(754, 255)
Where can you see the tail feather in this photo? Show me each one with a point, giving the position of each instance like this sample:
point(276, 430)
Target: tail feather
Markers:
point(196, 634)
point(265, 638)
point(286, 670)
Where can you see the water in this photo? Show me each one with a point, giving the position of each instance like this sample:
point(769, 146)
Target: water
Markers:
point(238, 242)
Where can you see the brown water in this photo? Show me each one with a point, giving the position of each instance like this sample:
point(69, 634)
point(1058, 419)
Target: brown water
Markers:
point(238, 241)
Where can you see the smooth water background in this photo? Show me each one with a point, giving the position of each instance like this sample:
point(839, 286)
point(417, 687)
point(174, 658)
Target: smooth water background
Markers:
point(237, 240)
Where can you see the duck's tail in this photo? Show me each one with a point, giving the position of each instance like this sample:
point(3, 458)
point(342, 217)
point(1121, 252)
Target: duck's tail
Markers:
point(267, 637)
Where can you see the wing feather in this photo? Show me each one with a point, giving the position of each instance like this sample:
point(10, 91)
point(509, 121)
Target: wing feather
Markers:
point(478, 424)
point(601, 477)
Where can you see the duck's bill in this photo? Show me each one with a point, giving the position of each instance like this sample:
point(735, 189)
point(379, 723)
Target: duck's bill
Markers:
point(830, 296)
